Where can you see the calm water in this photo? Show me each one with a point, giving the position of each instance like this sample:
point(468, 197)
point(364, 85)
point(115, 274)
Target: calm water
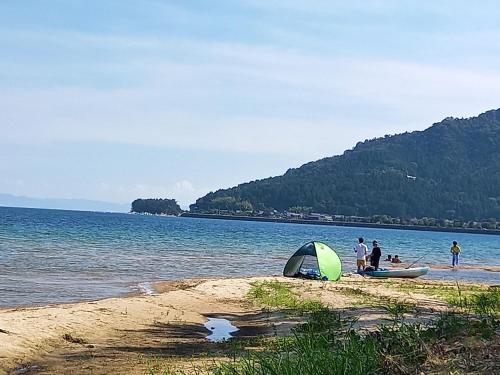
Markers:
point(61, 256)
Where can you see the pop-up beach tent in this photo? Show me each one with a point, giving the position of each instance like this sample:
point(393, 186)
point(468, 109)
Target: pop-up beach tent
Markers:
point(314, 258)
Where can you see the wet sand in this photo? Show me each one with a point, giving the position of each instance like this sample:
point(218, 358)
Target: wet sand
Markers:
point(123, 335)
point(492, 268)
point(473, 267)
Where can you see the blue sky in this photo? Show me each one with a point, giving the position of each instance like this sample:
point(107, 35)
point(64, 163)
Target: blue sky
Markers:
point(113, 100)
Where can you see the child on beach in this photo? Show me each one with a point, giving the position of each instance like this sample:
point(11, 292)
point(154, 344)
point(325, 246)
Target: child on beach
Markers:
point(455, 251)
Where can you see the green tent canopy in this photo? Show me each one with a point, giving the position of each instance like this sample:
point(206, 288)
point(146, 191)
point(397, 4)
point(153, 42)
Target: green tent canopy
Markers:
point(316, 256)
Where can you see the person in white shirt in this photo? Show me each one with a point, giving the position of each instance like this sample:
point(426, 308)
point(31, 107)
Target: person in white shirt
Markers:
point(361, 251)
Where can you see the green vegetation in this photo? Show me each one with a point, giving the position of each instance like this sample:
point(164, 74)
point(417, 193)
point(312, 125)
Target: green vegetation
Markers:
point(397, 310)
point(355, 292)
point(275, 294)
point(449, 171)
point(359, 296)
point(312, 350)
point(484, 303)
point(229, 203)
point(446, 293)
point(326, 344)
point(460, 341)
point(156, 206)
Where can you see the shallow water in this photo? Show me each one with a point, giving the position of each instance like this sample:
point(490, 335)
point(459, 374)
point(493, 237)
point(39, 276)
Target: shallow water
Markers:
point(49, 256)
point(458, 274)
point(221, 329)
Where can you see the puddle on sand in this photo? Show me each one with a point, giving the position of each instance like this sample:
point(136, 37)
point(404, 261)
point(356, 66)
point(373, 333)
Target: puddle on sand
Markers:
point(221, 329)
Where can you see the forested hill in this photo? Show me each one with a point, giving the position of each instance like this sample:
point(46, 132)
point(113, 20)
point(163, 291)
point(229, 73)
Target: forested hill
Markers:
point(450, 170)
point(156, 206)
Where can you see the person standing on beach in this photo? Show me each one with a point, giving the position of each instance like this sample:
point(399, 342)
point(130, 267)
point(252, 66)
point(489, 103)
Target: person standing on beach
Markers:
point(361, 252)
point(375, 255)
point(455, 251)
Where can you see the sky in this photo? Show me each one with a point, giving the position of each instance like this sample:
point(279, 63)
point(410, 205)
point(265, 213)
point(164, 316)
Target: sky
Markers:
point(119, 99)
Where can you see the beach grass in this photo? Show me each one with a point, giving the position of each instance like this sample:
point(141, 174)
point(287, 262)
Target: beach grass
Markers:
point(444, 293)
point(324, 344)
point(462, 340)
point(486, 303)
point(327, 344)
point(397, 309)
point(280, 295)
point(358, 297)
point(471, 298)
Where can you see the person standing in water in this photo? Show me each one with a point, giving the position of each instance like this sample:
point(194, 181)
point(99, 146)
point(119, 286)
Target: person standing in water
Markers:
point(455, 251)
point(396, 259)
point(375, 255)
point(361, 251)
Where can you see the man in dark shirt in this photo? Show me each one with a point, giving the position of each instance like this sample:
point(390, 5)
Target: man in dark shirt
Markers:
point(375, 255)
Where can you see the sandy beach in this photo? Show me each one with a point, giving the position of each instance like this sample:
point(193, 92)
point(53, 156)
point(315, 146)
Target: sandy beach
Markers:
point(123, 335)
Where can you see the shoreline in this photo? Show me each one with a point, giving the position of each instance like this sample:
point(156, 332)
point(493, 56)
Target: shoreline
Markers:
point(342, 224)
point(465, 267)
point(469, 267)
point(113, 335)
point(153, 288)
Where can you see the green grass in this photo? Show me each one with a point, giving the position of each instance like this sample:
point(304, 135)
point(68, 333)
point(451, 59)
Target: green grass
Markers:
point(484, 303)
point(359, 296)
point(355, 292)
point(323, 320)
point(453, 324)
point(328, 344)
point(317, 347)
point(276, 294)
point(444, 293)
point(397, 309)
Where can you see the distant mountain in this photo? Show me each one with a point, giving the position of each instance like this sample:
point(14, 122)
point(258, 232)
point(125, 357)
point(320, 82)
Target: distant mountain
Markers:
point(9, 200)
point(450, 170)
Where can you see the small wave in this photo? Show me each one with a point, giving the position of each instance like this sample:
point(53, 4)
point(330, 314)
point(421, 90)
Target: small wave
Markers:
point(146, 288)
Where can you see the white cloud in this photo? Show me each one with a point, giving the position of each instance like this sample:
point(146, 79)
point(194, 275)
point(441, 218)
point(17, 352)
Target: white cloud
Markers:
point(252, 99)
point(182, 190)
point(184, 186)
point(289, 80)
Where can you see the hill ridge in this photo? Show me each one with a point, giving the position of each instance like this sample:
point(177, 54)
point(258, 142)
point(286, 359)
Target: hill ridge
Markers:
point(449, 170)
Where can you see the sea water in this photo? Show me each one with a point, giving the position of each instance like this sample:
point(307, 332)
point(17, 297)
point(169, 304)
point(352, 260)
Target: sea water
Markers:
point(52, 256)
